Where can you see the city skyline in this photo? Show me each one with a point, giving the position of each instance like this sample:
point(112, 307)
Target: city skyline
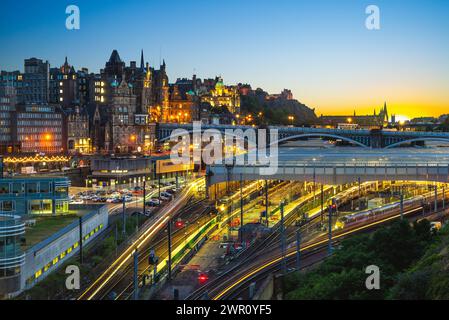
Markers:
point(333, 65)
point(253, 151)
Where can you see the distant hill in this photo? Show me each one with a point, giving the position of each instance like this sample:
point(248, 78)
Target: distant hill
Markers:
point(276, 111)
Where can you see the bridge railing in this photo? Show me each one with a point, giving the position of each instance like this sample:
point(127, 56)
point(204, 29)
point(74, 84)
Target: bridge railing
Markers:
point(330, 164)
point(416, 133)
point(320, 130)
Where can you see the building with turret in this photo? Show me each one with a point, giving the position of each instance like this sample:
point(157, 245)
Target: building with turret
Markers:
point(375, 120)
point(223, 96)
point(64, 86)
point(125, 100)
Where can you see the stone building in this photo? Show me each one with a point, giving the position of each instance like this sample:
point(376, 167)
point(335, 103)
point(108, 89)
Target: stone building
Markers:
point(64, 86)
point(78, 136)
point(223, 96)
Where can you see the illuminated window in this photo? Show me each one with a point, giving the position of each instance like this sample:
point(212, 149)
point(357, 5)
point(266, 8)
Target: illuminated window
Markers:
point(47, 206)
point(61, 190)
point(61, 206)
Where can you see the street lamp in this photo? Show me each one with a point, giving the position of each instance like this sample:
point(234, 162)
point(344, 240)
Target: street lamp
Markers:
point(291, 119)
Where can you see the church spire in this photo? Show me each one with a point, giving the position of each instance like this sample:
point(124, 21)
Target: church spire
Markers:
point(142, 62)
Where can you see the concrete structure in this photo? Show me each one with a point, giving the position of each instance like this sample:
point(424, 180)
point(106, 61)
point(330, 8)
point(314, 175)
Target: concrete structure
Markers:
point(109, 171)
point(34, 195)
point(31, 128)
point(48, 255)
point(11, 256)
point(343, 165)
point(8, 141)
point(39, 128)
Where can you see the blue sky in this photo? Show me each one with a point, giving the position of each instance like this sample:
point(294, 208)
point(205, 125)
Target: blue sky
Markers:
point(318, 48)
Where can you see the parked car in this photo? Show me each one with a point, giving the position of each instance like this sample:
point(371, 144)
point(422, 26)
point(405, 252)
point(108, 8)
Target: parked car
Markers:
point(153, 203)
point(167, 195)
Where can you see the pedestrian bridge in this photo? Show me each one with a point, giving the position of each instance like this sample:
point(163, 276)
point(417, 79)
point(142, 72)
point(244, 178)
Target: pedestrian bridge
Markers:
point(343, 165)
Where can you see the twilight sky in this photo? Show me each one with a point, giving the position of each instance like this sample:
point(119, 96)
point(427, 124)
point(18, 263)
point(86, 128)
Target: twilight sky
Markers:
point(320, 49)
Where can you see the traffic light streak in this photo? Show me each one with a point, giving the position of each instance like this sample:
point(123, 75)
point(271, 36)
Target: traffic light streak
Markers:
point(126, 256)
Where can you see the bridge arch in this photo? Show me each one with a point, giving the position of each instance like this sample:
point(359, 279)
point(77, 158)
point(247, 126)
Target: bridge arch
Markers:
point(416, 140)
point(328, 135)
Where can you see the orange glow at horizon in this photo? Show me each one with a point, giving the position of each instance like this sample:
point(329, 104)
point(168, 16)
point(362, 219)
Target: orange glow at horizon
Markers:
point(412, 96)
point(411, 109)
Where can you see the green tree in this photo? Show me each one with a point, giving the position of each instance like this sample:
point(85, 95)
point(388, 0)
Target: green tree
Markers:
point(342, 276)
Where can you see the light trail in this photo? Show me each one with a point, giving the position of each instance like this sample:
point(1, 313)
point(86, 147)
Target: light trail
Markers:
point(127, 254)
point(307, 247)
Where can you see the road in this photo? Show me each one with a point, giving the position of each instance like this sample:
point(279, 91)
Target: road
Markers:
point(148, 231)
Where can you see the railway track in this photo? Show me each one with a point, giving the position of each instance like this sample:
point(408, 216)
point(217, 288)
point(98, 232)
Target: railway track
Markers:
point(161, 249)
point(140, 240)
point(124, 283)
point(242, 274)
